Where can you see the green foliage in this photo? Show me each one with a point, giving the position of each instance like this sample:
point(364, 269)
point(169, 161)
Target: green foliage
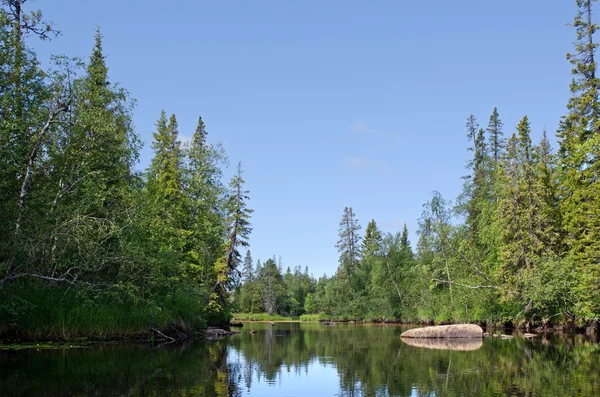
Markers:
point(261, 317)
point(88, 245)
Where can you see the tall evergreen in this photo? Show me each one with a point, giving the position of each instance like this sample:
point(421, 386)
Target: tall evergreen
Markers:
point(495, 137)
point(238, 232)
point(164, 174)
point(248, 271)
point(527, 216)
point(204, 192)
point(579, 156)
point(348, 246)
point(372, 240)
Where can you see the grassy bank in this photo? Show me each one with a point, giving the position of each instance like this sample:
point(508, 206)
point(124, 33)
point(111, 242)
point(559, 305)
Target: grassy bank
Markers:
point(262, 317)
point(63, 314)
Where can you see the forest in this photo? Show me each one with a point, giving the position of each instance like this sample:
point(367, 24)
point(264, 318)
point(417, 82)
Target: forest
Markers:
point(520, 245)
point(91, 246)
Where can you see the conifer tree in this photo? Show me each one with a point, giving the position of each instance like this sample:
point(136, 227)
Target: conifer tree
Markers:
point(579, 162)
point(90, 175)
point(547, 191)
point(165, 179)
point(248, 272)
point(204, 191)
point(238, 232)
point(495, 137)
point(372, 240)
point(526, 215)
point(348, 246)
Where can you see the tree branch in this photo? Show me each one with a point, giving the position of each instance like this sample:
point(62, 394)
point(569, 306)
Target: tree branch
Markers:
point(464, 285)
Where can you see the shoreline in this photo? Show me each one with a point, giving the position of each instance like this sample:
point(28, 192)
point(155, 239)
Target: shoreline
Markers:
point(171, 335)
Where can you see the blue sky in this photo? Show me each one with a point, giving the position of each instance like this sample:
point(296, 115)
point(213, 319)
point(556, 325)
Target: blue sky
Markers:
point(330, 103)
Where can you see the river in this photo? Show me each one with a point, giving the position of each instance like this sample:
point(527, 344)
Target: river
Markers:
point(309, 359)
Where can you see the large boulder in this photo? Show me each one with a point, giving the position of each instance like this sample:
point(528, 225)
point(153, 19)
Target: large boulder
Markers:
point(445, 331)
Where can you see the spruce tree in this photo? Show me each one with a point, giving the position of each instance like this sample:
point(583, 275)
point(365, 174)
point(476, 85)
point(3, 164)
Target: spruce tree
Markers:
point(164, 174)
point(579, 162)
point(495, 137)
point(527, 216)
point(203, 192)
point(90, 177)
point(238, 232)
point(248, 272)
point(348, 246)
point(372, 240)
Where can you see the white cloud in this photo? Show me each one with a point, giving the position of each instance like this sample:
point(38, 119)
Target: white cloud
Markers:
point(356, 163)
point(362, 128)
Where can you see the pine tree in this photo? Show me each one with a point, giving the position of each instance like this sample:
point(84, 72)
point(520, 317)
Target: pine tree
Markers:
point(204, 207)
point(164, 174)
point(495, 136)
point(547, 191)
point(579, 162)
point(372, 240)
point(248, 272)
point(90, 175)
point(472, 127)
point(527, 216)
point(239, 229)
point(405, 244)
point(348, 246)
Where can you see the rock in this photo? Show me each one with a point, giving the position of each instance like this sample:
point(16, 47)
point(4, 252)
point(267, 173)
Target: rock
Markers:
point(252, 331)
point(218, 333)
point(329, 323)
point(445, 331)
point(486, 334)
point(460, 344)
point(506, 336)
point(528, 335)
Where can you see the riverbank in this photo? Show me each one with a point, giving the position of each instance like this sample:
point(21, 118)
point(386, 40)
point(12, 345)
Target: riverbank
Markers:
point(63, 314)
point(589, 328)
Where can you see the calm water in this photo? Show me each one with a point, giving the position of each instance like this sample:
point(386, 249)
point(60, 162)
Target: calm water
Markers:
point(309, 360)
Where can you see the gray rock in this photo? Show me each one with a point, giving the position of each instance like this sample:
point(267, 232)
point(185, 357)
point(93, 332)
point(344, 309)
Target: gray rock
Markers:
point(445, 331)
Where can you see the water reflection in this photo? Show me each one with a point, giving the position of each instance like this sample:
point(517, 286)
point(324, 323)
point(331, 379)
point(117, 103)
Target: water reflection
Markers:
point(309, 359)
point(459, 344)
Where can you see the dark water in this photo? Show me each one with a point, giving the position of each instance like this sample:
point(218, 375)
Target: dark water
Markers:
point(309, 360)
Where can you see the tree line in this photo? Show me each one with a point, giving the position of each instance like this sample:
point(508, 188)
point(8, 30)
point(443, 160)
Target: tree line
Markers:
point(89, 244)
point(521, 243)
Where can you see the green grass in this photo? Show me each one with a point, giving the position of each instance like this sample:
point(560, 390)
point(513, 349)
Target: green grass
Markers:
point(261, 317)
point(62, 314)
point(314, 317)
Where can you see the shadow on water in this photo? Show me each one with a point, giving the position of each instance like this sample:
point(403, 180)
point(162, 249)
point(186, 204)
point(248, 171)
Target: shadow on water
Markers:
point(309, 359)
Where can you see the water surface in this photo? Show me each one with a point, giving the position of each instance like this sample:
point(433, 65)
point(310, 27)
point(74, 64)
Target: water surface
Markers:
point(309, 359)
